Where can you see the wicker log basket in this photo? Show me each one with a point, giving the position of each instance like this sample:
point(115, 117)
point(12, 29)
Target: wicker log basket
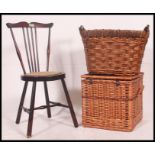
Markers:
point(116, 52)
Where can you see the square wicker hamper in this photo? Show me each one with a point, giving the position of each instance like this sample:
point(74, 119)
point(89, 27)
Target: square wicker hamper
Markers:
point(112, 102)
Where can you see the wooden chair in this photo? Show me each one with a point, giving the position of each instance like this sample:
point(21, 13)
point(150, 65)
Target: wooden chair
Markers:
point(30, 38)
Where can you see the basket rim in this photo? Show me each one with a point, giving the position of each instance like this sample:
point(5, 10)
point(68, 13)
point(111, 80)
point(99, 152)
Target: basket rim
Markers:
point(112, 33)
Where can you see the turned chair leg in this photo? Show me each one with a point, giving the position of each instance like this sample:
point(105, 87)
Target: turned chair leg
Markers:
point(47, 100)
point(21, 103)
point(31, 112)
point(69, 103)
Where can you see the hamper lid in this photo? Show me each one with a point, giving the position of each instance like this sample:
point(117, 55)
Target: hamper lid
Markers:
point(112, 77)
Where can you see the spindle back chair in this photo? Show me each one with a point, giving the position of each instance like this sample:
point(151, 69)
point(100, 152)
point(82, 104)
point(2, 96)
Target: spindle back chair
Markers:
point(33, 72)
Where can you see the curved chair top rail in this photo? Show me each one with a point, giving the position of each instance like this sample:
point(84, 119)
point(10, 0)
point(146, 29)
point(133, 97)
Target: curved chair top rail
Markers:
point(31, 24)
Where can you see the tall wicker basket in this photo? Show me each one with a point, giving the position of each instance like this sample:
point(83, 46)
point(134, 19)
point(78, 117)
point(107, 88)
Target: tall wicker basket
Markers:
point(112, 102)
point(116, 52)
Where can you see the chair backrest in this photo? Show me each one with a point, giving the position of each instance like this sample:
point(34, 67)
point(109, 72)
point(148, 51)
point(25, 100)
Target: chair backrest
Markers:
point(30, 39)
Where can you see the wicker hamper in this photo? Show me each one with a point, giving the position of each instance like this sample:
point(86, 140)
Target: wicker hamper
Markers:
point(112, 102)
point(117, 52)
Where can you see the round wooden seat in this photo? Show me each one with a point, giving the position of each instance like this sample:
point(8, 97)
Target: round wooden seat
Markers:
point(42, 76)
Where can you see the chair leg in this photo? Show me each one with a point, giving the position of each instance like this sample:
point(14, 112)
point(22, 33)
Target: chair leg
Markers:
point(21, 103)
point(69, 103)
point(47, 100)
point(30, 121)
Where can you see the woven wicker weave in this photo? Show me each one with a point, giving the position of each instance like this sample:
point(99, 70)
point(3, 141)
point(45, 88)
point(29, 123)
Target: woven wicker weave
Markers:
point(117, 52)
point(112, 102)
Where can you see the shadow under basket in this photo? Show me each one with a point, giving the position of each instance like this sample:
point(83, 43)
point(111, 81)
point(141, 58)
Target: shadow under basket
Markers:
point(112, 102)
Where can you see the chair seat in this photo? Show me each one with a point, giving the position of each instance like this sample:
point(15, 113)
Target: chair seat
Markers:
point(42, 76)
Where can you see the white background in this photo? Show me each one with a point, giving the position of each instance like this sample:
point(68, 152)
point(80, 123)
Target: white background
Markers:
point(68, 56)
point(48, 6)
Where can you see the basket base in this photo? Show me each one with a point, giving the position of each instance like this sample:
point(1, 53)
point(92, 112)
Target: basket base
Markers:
point(114, 126)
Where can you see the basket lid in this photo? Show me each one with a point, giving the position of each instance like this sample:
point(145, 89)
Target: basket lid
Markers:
point(112, 77)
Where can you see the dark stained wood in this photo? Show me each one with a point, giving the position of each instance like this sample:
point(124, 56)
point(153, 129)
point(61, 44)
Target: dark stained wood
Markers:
point(69, 103)
point(41, 25)
point(58, 104)
point(21, 103)
point(47, 78)
point(18, 51)
point(30, 37)
point(36, 42)
point(26, 48)
point(52, 104)
point(29, 45)
point(26, 110)
point(48, 49)
point(33, 49)
point(32, 24)
point(47, 100)
point(17, 25)
point(30, 121)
